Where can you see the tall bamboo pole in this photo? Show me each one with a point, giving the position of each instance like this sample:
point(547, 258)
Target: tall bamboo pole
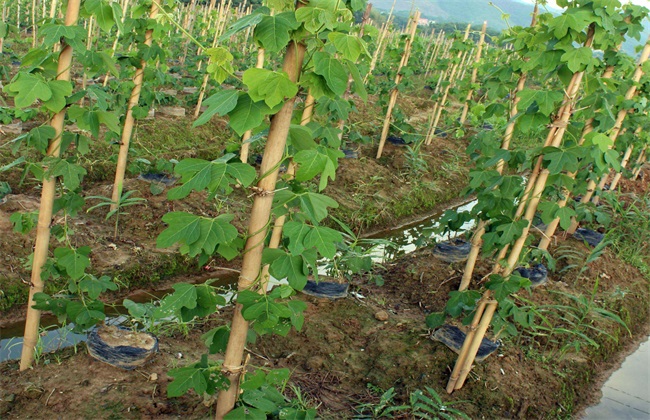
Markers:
point(127, 130)
point(398, 78)
point(477, 238)
point(443, 101)
point(639, 162)
point(382, 37)
point(556, 133)
point(258, 226)
point(624, 162)
point(243, 155)
point(477, 60)
point(620, 117)
point(47, 199)
point(588, 128)
point(276, 234)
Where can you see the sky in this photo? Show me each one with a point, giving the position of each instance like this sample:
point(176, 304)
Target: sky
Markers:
point(640, 2)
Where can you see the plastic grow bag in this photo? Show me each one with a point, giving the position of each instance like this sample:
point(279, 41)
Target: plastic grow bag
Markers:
point(121, 347)
point(326, 289)
point(454, 250)
point(538, 275)
point(453, 337)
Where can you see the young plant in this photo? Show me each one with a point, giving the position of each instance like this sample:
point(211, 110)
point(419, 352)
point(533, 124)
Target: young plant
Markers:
point(116, 209)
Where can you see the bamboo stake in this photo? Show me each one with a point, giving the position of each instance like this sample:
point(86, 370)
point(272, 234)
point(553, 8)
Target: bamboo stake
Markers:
point(117, 37)
point(206, 77)
point(639, 162)
point(243, 155)
point(276, 234)
point(47, 199)
point(346, 96)
point(127, 130)
point(442, 102)
point(626, 159)
point(477, 238)
point(476, 343)
point(398, 78)
point(620, 117)
point(84, 78)
point(4, 19)
point(380, 41)
point(469, 338)
point(554, 138)
point(53, 9)
point(477, 60)
point(34, 29)
point(561, 123)
point(258, 226)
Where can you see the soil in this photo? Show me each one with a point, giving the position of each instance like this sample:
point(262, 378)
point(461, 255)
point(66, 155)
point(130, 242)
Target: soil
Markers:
point(351, 350)
point(371, 194)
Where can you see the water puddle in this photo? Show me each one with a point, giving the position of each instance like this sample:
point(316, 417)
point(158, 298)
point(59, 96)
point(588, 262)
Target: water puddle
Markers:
point(395, 243)
point(626, 394)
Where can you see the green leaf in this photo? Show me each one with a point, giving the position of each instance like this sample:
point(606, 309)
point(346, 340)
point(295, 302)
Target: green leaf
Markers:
point(103, 13)
point(27, 88)
point(579, 58)
point(243, 23)
point(95, 286)
point(511, 231)
point(248, 114)
point(274, 32)
point(220, 104)
point(39, 137)
point(461, 301)
point(185, 379)
point(560, 160)
point(310, 163)
point(546, 100)
point(216, 175)
point(269, 86)
point(332, 70)
point(350, 46)
point(435, 319)
point(315, 205)
point(60, 90)
point(196, 234)
point(73, 261)
point(186, 229)
point(324, 240)
point(291, 267)
point(70, 172)
point(184, 296)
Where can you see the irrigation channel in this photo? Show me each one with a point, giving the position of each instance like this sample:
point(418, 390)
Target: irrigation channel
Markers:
point(396, 242)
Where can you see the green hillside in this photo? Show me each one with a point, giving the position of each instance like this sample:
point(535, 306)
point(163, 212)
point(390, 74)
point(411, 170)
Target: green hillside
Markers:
point(477, 11)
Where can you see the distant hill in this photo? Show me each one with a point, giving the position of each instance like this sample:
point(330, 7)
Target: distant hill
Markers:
point(468, 11)
point(477, 11)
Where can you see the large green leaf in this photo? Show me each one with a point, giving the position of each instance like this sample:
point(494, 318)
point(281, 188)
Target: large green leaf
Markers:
point(332, 70)
point(220, 104)
point(274, 32)
point(269, 86)
point(248, 114)
point(350, 46)
point(73, 261)
point(324, 240)
point(27, 88)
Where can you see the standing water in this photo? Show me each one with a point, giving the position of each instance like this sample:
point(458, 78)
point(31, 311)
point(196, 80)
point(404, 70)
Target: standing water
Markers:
point(626, 394)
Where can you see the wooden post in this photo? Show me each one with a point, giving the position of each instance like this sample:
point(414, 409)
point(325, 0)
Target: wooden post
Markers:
point(127, 130)
point(477, 60)
point(626, 159)
point(620, 117)
point(245, 146)
point(556, 133)
point(47, 200)
point(442, 102)
point(398, 78)
point(639, 162)
point(257, 229)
